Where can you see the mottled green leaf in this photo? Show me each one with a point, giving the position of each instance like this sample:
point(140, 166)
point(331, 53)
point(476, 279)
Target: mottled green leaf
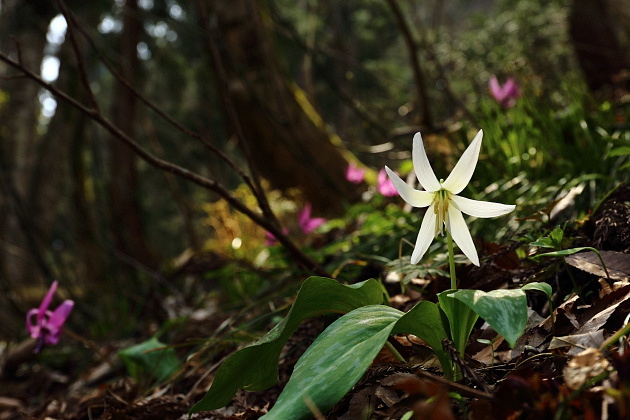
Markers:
point(460, 318)
point(425, 321)
point(335, 361)
point(504, 310)
point(256, 367)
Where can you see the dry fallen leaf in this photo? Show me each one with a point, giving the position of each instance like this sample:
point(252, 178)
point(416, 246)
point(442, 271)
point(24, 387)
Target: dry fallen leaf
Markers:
point(617, 264)
point(578, 342)
point(584, 367)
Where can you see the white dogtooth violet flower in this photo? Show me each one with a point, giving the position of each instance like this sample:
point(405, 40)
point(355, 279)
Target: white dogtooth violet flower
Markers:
point(445, 207)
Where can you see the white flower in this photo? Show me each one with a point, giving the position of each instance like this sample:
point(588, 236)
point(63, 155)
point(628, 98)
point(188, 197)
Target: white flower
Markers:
point(445, 206)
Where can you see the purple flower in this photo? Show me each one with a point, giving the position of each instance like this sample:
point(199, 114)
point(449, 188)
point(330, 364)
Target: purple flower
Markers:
point(384, 185)
point(46, 325)
point(306, 223)
point(270, 238)
point(505, 94)
point(354, 174)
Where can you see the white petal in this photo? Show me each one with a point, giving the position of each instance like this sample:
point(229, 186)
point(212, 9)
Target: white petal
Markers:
point(461, 235)
point(422, 167)
point(412, 196)
point(481, 208)
point(425, 236)
point(463, 170)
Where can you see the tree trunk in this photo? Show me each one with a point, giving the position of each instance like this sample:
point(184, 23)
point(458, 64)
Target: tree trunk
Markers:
point(595, 41)
point(127, 223)
point(287, 141)
point(23, 26)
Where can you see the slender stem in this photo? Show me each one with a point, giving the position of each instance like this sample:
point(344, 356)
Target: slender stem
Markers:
point(625, 330)
point(601, 260)
point(552, 316)
point(451, 260)
point(395, 352)
point(95, 115)
point(576, 288)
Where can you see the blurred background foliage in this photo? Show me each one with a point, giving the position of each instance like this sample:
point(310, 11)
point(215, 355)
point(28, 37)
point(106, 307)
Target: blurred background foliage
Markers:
point(129, 242)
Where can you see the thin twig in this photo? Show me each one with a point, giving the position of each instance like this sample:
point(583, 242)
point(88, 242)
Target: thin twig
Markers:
point(185, 130)
point(278, 233)
point(217, 62)
point(161, 164)
point(418, 75)
point(284, 29)
point(454, 386)
point(71, 24)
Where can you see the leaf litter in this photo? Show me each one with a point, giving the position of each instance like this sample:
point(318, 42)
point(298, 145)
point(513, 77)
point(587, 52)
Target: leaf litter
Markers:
point(566, 369)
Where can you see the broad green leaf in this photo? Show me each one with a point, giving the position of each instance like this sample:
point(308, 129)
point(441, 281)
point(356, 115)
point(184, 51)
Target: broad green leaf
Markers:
point(424, 321)
point(540, 287)
point(256, 367)
point(335, 361)
point(504, 310)
point(150, 357)
point(460, 318)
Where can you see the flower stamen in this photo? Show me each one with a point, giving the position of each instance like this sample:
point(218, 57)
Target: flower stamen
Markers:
point(440, 208)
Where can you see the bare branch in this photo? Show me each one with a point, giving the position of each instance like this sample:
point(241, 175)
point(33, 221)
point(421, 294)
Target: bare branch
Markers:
point(77, 53)
point(18, 49)
point(418, 75)
point(161, 164)
point(211, 44)
point(244, 176)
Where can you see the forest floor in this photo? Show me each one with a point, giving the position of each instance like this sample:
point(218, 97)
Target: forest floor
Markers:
point(568, 369)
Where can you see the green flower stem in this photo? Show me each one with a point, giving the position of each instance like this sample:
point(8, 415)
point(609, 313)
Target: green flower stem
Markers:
point(600, 260)
point(451, 260)
point(394, 352)
point(615, 337)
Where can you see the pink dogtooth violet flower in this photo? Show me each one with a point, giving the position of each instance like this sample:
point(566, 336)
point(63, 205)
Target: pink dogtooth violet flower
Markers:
point(445, 206)
point(384, 185)
point(354, 175)
point(44, 325)
point(270, 238)
point(505, 94)
point(306, 222)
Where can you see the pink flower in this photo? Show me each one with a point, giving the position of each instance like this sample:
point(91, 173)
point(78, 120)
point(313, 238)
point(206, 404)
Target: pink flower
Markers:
point(46, 327)
point(384, 185)
point(505, 94)
point(270, 238)
point(306, 223)
point(354, 174)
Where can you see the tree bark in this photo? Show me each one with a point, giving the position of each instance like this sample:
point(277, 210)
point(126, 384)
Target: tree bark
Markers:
point(287, 141)
point(595, 41)
point(127, 224)
point(23, 26)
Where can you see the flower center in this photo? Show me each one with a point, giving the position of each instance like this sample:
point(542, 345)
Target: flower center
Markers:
point(440, 207)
